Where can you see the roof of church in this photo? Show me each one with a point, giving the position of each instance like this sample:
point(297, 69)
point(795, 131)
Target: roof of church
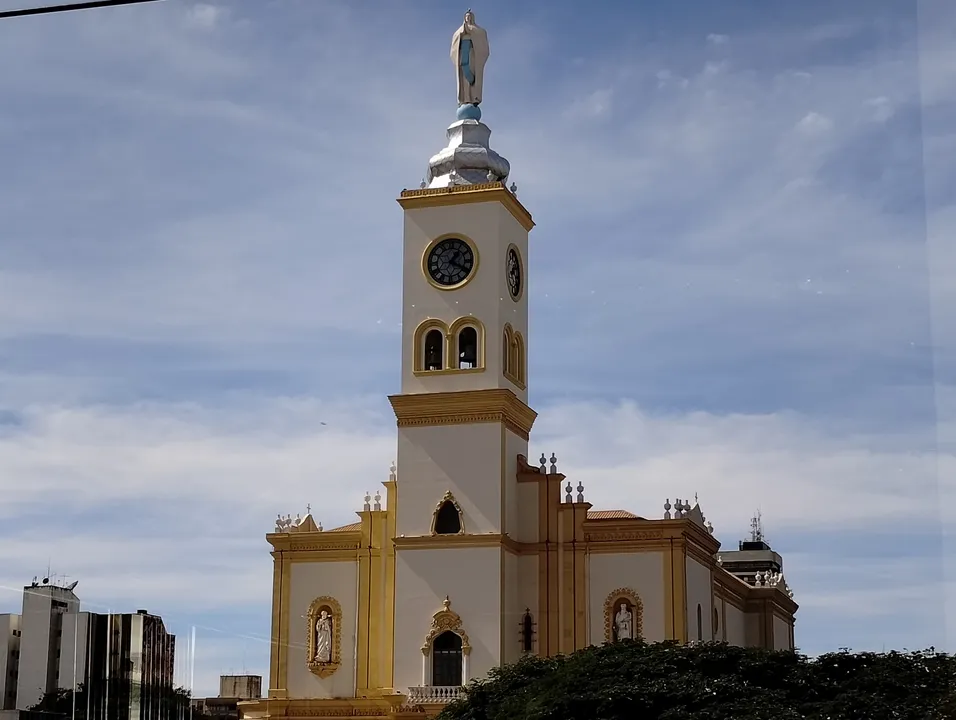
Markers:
point(610, 515)
point(592, 515)
point(347, 528)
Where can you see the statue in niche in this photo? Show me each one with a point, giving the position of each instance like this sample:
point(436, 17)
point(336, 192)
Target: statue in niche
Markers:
point(469, 53)
point(323, 638)
point(624, 623)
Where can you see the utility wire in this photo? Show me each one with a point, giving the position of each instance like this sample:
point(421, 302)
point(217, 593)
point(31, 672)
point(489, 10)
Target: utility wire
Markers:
point(66, 8)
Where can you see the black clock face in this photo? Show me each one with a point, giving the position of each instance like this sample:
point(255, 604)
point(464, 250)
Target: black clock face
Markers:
point(450, 262)
point(513, 270)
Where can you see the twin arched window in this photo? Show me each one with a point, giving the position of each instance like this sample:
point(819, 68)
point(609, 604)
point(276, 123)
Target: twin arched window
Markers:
point(513, 360)
point(438, 347)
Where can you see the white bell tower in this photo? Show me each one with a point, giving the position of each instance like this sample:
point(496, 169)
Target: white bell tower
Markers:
point(462, 413)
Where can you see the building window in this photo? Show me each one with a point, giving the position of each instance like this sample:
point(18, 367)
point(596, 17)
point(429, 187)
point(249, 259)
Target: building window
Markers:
point(467, 348)
point(447, 660)
point(434, 342)
point(700, 624)
point(716, 623)
point(447, 519)
point(527, 632)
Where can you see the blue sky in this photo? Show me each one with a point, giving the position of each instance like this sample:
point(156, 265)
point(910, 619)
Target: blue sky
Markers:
point(741, 285)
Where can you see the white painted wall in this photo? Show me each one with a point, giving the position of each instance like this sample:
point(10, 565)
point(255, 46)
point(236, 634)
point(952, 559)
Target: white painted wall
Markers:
point(781, 634)
point(492, 228)
point(640, 571)
point(307, 582)
point(736, 626)
point(465, 459)
point(471, 578)
point(700, 591)
point(517, 507)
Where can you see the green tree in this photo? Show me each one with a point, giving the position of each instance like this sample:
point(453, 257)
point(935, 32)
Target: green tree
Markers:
point(713, 681)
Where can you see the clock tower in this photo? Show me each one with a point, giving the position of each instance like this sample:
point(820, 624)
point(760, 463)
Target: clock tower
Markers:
point(462, 413)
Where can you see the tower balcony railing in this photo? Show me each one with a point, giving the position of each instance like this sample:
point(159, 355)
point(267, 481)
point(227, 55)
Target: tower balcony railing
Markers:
point(433, 694)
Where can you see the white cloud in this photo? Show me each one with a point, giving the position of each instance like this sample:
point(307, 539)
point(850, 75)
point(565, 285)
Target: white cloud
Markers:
point(813, 124)
point(718, 39)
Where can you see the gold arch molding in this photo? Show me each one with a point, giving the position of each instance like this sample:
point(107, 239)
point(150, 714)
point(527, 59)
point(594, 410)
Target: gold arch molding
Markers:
point(448, 497)
point(444, 620)
point(332, 607)
point(614, 599)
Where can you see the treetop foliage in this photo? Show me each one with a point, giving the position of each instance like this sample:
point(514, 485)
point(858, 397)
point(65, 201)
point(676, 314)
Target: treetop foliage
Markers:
point(632, 680)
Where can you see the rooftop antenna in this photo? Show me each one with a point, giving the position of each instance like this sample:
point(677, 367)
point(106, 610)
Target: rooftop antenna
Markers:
point(756, 528)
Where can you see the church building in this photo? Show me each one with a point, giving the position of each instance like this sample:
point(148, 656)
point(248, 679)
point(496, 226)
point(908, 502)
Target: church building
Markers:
point(474, 554)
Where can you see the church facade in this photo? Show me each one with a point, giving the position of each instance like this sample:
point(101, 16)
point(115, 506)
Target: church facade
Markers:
point(473, 554)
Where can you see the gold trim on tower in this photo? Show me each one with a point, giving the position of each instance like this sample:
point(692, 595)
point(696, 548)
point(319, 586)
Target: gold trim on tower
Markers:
point(466, 194)
point(465, 407)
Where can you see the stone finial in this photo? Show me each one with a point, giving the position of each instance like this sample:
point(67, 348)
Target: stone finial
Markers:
point(554, 464)
point(543, 464)
point(392, 472)
point(297, 521)
point(678, 508)
point(368, 502)
point(514, 189)
point(446, 603)
point(667, 509)
point(423, 184)
point(720, 559)
point(320, 528)
point(580, 492)
point(378, 501)
point(567, 497)
point(710, 527)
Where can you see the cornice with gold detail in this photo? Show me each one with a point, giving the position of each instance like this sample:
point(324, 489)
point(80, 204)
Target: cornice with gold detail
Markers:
point(277, 709)
point(464, 407)
point(466, 194)
point(315, 541)
point(435, 542)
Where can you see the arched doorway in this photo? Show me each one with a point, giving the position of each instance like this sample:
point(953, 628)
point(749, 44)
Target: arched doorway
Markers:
point(447, 660)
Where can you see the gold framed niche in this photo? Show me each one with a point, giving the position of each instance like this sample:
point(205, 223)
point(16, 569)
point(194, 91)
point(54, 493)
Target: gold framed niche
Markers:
point(446, 620)
point(447, 500)
point(472, 245)
point(612, 607)
point(333, 613)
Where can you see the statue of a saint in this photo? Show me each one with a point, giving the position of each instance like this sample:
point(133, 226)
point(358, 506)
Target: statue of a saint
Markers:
point(469, 53)
point(623, 624)
point(323, 638)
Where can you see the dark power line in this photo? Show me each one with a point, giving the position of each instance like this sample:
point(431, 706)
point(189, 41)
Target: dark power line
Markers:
point(66, 8)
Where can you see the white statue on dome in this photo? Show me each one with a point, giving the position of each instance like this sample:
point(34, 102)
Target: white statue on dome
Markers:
point(469, 53)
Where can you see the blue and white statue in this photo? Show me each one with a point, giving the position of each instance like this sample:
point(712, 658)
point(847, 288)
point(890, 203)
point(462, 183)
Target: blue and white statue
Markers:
point(469, 53)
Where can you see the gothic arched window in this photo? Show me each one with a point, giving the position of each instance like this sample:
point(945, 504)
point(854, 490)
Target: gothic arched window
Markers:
point(447, 519)
point(527, 632)
point(447, 660)
point(467, 348)
point(434, 347)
